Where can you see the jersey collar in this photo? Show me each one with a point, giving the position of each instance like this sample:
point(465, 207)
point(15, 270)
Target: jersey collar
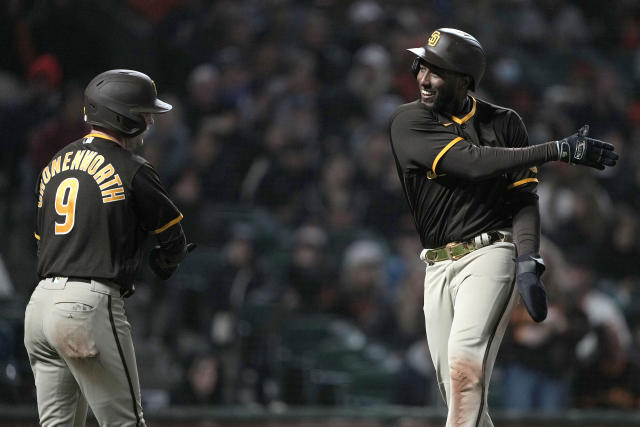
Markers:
point(100, 135)
point(467, 116)
point(446, 120)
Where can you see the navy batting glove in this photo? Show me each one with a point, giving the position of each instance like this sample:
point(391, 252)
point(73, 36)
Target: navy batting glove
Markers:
point(582, 150)
point(529, 268)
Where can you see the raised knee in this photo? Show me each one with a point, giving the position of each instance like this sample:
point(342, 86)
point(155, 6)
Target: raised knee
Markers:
point(465, 374)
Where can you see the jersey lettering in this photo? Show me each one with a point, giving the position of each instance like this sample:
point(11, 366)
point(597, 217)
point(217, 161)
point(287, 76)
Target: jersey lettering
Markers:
point(112, 195)
point(55, 166)
point(95, 164)
point(114, 181)
point(87, 161)
point(46, 175)
point(104, 173)
point(75, 164)
point(88, 157)
point(65, 163)
point(41, 194)
point(66, 197)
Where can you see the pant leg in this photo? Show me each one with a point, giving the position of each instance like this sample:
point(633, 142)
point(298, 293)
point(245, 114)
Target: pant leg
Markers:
point(90, 331)
point(438, 315)
point(483, 291)
point(59, 399)
point(80, 417)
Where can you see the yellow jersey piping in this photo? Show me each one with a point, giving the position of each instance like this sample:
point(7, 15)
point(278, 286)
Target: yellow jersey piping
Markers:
point(169, 224)
point(443, 151)
point(522, 182)
point(469, 114)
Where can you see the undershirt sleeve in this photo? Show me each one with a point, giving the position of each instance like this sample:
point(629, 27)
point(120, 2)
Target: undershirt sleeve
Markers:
point(477, 163)
point(521, 191)
point(526, 223)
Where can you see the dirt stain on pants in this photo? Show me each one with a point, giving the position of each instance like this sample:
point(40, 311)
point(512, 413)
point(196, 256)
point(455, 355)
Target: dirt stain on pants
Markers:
point(466, 392)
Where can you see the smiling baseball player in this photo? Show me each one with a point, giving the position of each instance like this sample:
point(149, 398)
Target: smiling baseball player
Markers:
point(469, 177)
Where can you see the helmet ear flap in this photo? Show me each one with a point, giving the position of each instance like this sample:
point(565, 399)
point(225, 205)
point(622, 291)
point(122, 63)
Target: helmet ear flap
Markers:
point(415, 66)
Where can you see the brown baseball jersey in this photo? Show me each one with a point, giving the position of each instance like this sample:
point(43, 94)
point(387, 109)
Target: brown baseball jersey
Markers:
point(96, 205)
point(442, 164)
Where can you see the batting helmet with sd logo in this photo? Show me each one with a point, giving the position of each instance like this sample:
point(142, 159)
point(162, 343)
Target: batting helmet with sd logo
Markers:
point(452, 50)
point(116, 100)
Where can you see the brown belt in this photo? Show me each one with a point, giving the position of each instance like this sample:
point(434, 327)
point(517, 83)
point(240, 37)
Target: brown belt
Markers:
point(456, 250)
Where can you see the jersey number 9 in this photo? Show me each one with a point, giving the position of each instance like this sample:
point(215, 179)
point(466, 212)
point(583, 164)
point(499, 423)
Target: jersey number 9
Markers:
point(66, 204)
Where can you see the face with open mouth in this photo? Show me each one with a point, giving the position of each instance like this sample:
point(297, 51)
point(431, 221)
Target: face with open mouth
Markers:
point(439, 88)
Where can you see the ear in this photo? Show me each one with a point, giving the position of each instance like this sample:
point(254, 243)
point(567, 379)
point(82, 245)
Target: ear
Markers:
point(464, 82)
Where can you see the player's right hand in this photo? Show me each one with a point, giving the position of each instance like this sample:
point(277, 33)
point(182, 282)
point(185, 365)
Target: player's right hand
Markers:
point(581, 150)
point(164, 265)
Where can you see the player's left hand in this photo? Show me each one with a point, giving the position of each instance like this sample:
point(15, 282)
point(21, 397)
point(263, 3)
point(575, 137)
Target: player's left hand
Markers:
point(164, 265)
point(581, 150)
point(529, 268)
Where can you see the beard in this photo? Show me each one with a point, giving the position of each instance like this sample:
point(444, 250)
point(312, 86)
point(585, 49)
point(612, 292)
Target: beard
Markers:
point(133, 142)
point(445, 100)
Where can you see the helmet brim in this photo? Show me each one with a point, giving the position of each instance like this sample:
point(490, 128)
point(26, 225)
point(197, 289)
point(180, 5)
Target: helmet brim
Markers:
point(431, 58)
point(158, 107)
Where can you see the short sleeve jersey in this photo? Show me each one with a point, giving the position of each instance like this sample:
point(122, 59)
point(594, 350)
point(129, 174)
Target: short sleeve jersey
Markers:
point(96, 204)
point(447, 206)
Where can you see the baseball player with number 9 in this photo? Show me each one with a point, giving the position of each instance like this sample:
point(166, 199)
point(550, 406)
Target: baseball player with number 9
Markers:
point(96, 204)
point(469, 177)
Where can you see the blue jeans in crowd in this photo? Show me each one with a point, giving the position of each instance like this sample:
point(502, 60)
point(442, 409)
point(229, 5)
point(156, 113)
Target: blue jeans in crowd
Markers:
point(526, 389)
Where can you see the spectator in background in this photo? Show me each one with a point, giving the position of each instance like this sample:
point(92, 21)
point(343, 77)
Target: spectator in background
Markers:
point(336, 200)
point(210, 308)
point(601, 309)
point(362, 292)
point(203, 86)
point(408, 307)
point(202, 385)
point(279, 181)
point(610, 379)
point(310, 276)
point(416, 377)
point(167, 144)
point(55, 133)
point(538, 357)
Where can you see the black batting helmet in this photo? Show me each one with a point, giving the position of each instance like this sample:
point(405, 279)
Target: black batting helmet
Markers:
point(116, 99)
point(452, 50)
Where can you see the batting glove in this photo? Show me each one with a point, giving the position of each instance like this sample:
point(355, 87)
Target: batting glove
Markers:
point(163, 264)
point(529, 268)
point(581, 150)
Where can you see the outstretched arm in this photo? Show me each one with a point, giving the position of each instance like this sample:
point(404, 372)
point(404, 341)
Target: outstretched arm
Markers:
point(479, 162)
point(419, 144)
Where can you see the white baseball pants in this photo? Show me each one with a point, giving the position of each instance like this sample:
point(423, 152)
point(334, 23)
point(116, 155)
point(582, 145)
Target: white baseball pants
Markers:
point(79, 344)
point(467, 306)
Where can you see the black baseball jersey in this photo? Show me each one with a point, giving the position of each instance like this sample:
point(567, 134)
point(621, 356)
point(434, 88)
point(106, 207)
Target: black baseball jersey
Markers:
point(96, 204)
point(455, 188)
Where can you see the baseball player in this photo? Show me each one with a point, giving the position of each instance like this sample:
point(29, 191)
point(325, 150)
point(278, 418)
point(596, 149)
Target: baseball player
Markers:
point(469, 177)
point(96, 204)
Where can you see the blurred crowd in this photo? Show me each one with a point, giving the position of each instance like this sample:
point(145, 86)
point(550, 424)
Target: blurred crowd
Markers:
point(306, 287)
